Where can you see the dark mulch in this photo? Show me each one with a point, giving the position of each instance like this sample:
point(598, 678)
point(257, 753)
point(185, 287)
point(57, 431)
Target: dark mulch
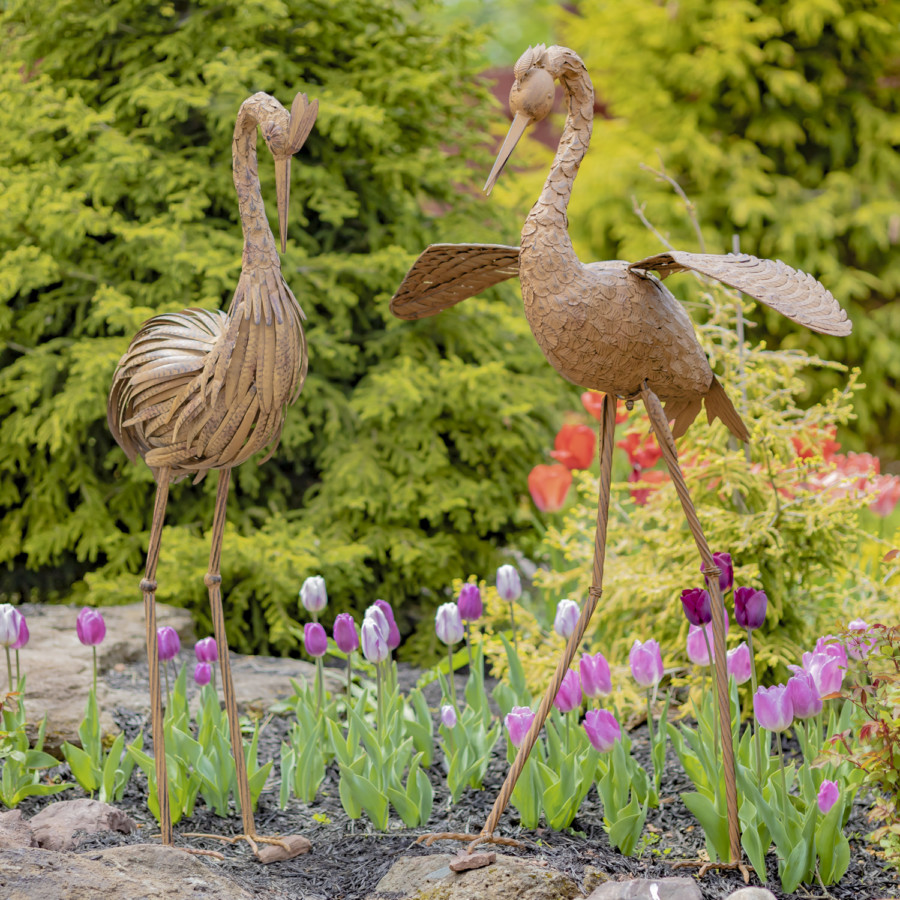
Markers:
point(348, 858)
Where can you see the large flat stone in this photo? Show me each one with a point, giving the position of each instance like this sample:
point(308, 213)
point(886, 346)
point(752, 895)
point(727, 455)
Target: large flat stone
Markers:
point(648, 889)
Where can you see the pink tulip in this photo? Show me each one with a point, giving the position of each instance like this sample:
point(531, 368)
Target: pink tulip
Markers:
point(805, 699)
point(518, 721)
point(646, 663)
point(832, 646)
point(393, 638)
point(168, 643)
point(24, 635)
point(750, 607)
point(448, 625)
point(860, 647)
point(90, 627)
point(206, 650)
point(697, 651)
point(569, 695)
point(772, 707)
point(202, 673)
point(595, 678)
point(448, 716)
point(509, 585)
point(602, 729)
point(373, 641)
point(825, 669)
point(345, 635)
point(828, 795)
point(315, 641)
point(566, 621)
point(739, 663)
point(470, 606)
point(723, 562)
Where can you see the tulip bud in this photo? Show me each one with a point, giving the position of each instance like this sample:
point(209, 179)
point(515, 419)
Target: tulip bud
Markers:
point(374, 644)
point(379, 619)
point(393, 636)
point(825, 669)
point(805, 699)
point(697, 649)
point(828, 795)
point(772, 707)
point(697, 606)
point(509, 585)
point(739, 663)
point(202, 673)
point(470, 606)
point(831, 646)
point(725, 566)
point(168, 643)
point(566, 621)
point(518, 721)
point(315, 641)
point(548, 486)
point(750, 607)
point(10, 619)
point(860, 647)
point(569, 695)
point(207, 650)
point(90, 627)
point(646, 663)
point(313, 595)
point(447, 624)
point(345, 635)
point(602, 729)
point(448, 716)
point(22, 640)
point(595, 678)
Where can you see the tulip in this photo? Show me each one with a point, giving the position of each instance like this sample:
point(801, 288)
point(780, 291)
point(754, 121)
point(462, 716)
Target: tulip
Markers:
point(89, 626)
point(206, 651)
point(393, 638)
point(470, 606)
point(696, 605)
point(509, 587)
point(595, 678)
point(646, 663)
point(859, 647)
point(313, 595)
point(593, 403)
point(574, 446)
point(448, 716)
point(700, 644)
point(828, 795)
point(24, 635)
point(202, 673)
point(373, 641)
point(345, 634)
point(10, 621)
point(168, 643)
point(518, 721)
point(379, 619)
point(772, 707)
point(315, 641)
point(566, 621)
point(602, 729)
point(824, 669)
point(448, 624)
point(642, 450)
point(750, 607)
point(739, 663)
point(831, 646)
point(569, 695)
point(805, 699)
point(723, 562)
point(548, 486)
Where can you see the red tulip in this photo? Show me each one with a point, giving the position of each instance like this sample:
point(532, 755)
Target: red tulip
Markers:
point(642, 449)
point(574, 446)
point(593, 403)
point(548, 486)
point(654, 476)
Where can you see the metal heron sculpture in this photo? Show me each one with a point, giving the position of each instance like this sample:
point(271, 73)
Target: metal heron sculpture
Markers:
point(613, 327)
point(201, 390)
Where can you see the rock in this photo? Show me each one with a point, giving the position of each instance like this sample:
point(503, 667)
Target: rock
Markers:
point(54, 827)
point(508, 877)
point(296, 845)
point(648, 889)
point(466, 861)
point(14, 830)
point(752, 893)
point(151, 872)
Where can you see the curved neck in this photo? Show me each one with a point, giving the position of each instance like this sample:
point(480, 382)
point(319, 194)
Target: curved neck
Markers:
point(259, 243)
point(570, 69)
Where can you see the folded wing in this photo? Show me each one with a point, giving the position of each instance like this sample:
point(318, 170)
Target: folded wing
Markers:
point(792, 293)
point(446, 274)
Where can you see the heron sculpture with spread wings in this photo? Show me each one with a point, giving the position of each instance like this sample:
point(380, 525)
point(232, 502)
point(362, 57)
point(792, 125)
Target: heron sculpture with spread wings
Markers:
point(613, 327)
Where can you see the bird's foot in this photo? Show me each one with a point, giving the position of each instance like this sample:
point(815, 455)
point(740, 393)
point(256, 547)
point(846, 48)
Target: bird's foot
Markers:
point(474, 839)
point(705, 865)
point(288, 846)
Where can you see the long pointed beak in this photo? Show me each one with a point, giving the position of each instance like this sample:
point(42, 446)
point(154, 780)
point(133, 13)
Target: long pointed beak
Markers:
point(283, 192)
point(516, 130)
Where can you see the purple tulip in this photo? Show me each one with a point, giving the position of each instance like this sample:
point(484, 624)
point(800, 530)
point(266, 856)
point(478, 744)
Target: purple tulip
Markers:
point(723, 562)
point(470, 606)
point(750, 607)
point(825, 669)
point(772, 707)
point(697, 650)
point(24, 635)
point(448, 625)
point(345, 635)
point(315, 641)
point(860, 647)
point(828, 795)
point(602, 729)
point(566, 621)
point(206, 651)
point(697, 606)
point(739, 663)
point(509, 585)
point(379, 620)
point(168, 643)
point(569, 695)
point(518, 721)
point(313, 595)
point(595, 678)
point(646, 663)
point(203, 673)
point(832, 646)
point(805, 699)
point(448, 716)
point(393, 638)
point(90, 627)
point(373, 641)
point(10, 623)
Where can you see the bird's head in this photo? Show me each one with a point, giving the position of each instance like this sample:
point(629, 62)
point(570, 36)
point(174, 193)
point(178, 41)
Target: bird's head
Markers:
point(530, 100)
point(285, 133)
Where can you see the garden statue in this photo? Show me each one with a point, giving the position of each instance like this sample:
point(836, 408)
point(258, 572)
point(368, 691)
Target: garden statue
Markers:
point(201, 390)
point(613, 327)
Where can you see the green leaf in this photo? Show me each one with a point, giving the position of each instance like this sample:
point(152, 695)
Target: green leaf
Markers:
point(714, 823)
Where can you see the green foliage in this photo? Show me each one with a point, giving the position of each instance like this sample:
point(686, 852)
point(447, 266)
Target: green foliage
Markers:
point(405, 458)
point(781, 120)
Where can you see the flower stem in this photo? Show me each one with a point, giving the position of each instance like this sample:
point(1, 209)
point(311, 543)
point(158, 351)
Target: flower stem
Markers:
point(650, 722)
point(168, 694)
point(320, 687)
point(349, 681)
point(379, 688)
point(717, 726)
point(18, 671)
point(451, 683)
point(784, 789)
point(468, 645)
point(512, 622)
point(9, 670)
point(753, 722)
point(94, 648)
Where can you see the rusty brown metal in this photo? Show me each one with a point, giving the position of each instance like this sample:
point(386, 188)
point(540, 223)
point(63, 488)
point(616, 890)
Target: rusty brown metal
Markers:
point(201, 390)
point(609, 326)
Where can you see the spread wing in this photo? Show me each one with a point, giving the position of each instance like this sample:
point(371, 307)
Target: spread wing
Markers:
point(446, 274)
point(792, 293)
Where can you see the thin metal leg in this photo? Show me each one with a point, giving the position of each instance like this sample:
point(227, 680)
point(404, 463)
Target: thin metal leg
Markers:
point(148, 588)
point(607, 434)
point(667, 444)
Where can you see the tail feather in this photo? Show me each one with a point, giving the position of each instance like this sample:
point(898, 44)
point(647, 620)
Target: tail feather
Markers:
point(681, 413)
point(719, 406)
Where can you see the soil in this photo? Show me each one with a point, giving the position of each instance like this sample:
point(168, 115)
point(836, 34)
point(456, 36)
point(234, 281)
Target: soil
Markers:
point(349, 858)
